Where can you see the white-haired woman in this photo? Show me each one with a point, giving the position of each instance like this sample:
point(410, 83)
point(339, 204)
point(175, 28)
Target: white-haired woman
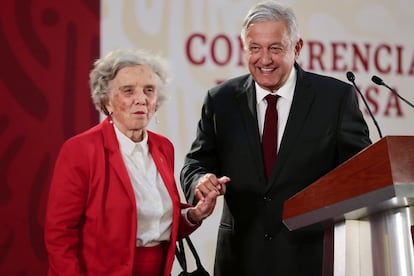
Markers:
point(113, 206)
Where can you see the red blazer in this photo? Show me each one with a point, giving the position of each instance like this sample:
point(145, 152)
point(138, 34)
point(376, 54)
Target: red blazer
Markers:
point(91, 218)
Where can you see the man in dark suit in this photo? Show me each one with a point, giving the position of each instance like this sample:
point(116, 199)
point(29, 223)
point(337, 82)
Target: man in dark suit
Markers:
point(319, 126)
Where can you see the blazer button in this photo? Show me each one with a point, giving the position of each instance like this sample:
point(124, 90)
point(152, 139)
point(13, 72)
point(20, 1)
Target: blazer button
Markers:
point(268, 237)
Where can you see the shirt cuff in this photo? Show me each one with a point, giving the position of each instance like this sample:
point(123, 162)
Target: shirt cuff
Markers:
point(184, 212)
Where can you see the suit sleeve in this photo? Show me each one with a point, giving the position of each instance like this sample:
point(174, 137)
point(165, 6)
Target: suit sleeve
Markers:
point(201, 158)
point(353, 134)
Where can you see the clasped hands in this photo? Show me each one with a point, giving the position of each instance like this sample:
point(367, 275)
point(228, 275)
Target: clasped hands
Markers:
point(208, 188)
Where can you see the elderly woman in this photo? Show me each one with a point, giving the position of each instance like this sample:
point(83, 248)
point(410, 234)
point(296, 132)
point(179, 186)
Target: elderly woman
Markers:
point(113, 206)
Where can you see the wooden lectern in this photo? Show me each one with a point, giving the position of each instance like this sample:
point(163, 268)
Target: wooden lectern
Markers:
point(367, 204)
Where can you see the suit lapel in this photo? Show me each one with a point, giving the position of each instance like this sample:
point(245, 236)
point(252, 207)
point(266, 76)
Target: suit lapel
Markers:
point(167, 174)
point(301, 104)
point(161, 163)
point(115, 158)
point(246, 99)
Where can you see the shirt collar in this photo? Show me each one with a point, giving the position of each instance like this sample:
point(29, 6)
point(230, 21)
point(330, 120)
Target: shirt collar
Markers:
point(286, 91)
point(128, 146)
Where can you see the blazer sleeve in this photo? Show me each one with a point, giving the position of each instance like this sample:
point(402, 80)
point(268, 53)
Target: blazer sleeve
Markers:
point(65, 207)
point(186, 228)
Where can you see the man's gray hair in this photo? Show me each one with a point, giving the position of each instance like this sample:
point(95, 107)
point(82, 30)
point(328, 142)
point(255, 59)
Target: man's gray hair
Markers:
point(271, 11)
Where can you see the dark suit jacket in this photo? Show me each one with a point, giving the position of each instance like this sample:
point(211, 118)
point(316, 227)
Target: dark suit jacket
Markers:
point(325, 127)
point(91, 218)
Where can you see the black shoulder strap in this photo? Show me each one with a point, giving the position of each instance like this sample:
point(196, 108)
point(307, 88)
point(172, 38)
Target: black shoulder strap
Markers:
point(194, 251)
point(180, 254)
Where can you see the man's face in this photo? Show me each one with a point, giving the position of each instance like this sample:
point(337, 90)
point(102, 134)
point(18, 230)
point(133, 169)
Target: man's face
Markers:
point(270, 55)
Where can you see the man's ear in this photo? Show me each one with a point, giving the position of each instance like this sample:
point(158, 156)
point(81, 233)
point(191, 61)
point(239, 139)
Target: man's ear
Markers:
point(298, 47)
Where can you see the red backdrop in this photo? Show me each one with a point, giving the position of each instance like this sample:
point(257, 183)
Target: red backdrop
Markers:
point(47, 48)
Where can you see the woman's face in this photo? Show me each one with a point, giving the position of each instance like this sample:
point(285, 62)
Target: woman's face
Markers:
point(132, 99)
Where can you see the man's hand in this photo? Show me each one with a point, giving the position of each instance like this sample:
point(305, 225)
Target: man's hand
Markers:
point(209, 187)
point(209, 182)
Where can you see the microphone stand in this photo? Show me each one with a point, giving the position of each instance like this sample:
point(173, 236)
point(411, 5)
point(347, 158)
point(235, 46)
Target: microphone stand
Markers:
point(351, 77)
point(379, 81)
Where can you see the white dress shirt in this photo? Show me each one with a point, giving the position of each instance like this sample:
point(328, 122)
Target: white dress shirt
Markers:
point(154, 206)
point(283, 104)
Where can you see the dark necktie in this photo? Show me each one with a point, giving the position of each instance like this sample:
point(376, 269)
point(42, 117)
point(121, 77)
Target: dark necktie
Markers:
point(269, 138)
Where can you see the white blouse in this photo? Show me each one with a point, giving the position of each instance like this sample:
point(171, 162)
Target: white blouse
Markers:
point(154, 206)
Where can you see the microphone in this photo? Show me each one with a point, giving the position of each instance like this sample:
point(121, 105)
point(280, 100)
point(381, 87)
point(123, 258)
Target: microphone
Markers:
point(379, 81)
point(351, 77)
